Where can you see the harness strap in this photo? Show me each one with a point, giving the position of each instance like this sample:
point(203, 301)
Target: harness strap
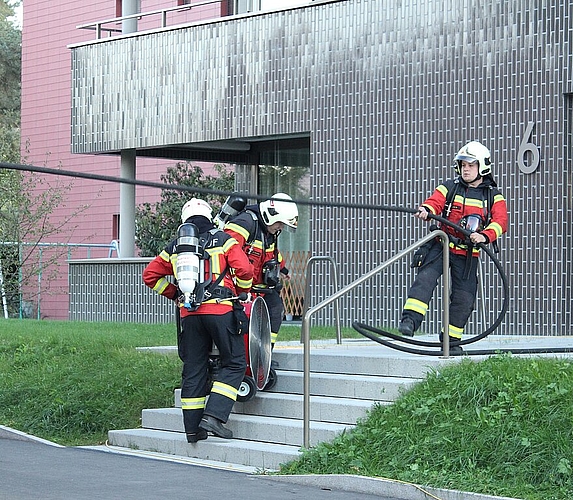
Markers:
point(213, 290)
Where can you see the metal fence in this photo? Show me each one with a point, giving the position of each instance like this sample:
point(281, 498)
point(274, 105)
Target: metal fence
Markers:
point(39, 266)
point(113, 290)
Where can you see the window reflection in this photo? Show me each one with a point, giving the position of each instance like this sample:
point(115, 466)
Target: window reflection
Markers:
point(245, 6)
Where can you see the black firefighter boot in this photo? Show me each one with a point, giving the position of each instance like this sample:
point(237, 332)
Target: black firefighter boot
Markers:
point(454, 349)
point(407, 327)
point(215, 426)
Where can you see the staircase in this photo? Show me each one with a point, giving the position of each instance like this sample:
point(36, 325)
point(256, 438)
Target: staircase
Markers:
point(345, 381)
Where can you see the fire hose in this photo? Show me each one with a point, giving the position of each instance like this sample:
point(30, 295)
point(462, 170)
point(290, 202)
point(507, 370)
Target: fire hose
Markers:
point(429, 348)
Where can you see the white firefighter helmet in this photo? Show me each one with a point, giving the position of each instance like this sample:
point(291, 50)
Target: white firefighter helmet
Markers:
point(278, 209)
point(195, 206)
point(474, 151)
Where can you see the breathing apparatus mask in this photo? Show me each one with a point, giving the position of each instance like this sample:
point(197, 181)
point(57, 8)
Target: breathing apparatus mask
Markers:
point(271, 271)
point(233, 205)
point(473, 223)
point(190, 267)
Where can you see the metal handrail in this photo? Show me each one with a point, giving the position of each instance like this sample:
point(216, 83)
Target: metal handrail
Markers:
point(307, 291)
point(480, 292)
point(97, 25)
point(306, 318)
point(113, 246)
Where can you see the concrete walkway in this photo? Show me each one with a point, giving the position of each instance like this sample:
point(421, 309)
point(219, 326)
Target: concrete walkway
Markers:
point(33, 468)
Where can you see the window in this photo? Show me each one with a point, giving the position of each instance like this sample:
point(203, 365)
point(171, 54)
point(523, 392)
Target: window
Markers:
point(115, 227)
point(285, 168)
point(244, 6)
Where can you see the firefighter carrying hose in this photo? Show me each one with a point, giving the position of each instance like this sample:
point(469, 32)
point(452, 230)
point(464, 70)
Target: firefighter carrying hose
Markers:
point(472, 201)
point(257, 229)
point(210, 268)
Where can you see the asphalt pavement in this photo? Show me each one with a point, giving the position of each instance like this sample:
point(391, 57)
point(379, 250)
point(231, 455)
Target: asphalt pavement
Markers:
point(36, 470)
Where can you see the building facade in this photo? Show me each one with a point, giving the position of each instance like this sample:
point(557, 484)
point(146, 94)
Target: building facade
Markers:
point(374, 99)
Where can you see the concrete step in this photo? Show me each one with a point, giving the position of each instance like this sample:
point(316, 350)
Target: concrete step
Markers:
point(268, 429)
point(343, 385)
point(357, 359)
point(345, 382)
point(322, 409)
point(367, 387)
point(263, 456)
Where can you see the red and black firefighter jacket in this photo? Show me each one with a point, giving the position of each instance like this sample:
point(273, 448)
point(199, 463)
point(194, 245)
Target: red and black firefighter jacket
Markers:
point(259, 245)
point(484, 200)
point(226, 255)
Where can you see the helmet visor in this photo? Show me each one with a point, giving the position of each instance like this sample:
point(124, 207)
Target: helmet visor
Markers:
point(291, 224)
point(467, 158)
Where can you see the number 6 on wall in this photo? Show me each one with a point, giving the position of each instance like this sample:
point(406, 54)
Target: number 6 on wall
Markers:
point(528, 147)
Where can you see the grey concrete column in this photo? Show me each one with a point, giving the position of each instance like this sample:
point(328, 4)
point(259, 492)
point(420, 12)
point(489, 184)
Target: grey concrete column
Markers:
point(127, 205)
point(129, 7)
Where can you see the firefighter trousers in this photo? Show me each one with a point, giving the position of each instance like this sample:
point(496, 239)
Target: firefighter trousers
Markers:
point(462, 292)
point(276, 310)
point(195, 340)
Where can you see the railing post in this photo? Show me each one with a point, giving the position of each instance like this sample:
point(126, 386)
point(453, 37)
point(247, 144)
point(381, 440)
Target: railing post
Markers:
point(38, 314)
point(446, 296)
point(334, 274)
point(3, 292)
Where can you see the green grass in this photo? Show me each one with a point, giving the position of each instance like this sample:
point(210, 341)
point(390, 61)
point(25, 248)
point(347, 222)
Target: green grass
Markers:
point(503, 426)
point(72, 382)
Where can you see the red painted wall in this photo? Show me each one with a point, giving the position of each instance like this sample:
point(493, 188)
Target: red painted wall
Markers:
point(48, 28)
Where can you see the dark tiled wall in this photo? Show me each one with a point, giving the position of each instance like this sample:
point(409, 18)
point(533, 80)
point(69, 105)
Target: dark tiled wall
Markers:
point(388, 91)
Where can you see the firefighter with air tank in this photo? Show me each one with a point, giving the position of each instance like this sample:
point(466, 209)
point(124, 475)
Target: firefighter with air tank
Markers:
point(256, 228)
point(211, 271)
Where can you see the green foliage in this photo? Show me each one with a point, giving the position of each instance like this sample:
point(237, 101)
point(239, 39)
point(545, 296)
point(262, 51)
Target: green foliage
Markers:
point(10, 71)
point(72, 382)
point(10, 67)
point(503, 426)
point(26, 204)
point(156, 224)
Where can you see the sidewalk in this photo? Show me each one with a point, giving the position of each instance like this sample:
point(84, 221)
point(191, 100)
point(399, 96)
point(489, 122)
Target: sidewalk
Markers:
point(33, 468)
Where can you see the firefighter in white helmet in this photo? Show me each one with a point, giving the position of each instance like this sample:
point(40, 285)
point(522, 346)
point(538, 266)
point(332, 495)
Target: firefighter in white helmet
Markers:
point(474, 202)
point(208, 318)
point(257, 230)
